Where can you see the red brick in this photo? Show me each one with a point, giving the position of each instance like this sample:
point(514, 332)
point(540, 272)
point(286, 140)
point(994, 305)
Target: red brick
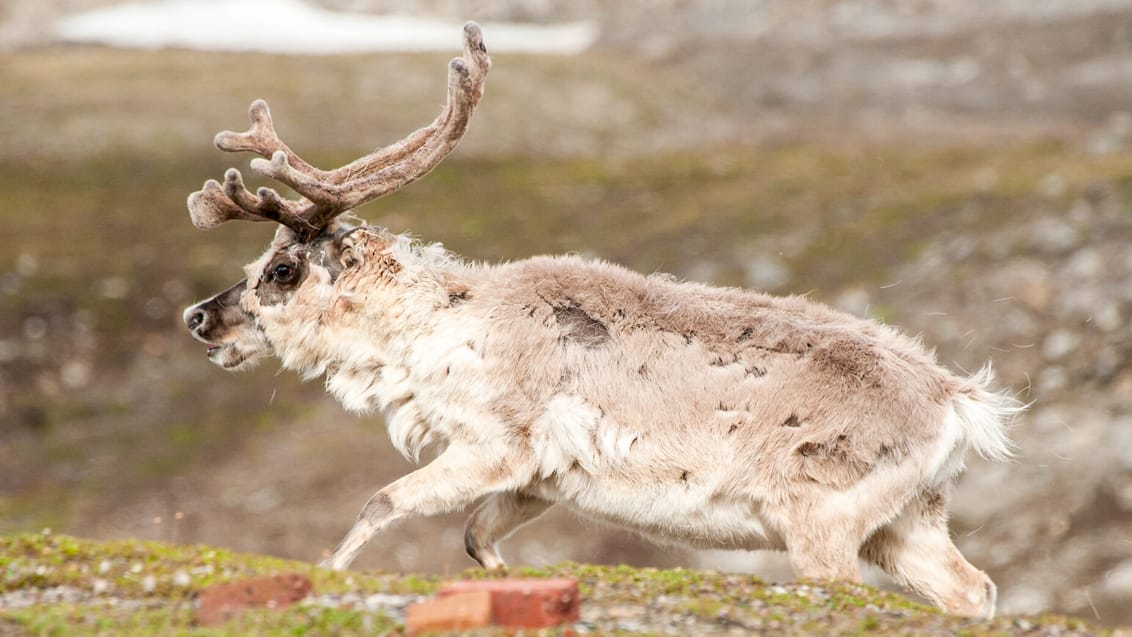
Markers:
point(221, 602)
point(525, 603)
point(459, 611)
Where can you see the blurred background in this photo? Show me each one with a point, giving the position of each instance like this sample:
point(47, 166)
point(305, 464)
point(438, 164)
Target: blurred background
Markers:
point(959, 168)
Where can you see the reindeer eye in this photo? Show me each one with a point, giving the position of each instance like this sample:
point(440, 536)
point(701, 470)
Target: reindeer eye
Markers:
point(283, 273)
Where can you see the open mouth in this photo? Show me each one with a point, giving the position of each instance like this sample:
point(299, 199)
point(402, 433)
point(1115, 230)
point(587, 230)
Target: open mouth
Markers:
point(212, 349)
point(217, 352)
point(226, 356)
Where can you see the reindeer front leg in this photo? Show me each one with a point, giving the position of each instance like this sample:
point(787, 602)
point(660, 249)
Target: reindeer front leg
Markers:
point(454, 480)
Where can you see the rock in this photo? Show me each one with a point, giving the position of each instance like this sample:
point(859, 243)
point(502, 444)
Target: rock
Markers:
point(221, 602)
point(1118, 581)
point(459, 611)
point(766, 272)
point(1036, 294)
point(525, 603)
point(854, 300)
point(1053, 234)
point(1052, 185)
point(1059, 344)
point(1052, 379)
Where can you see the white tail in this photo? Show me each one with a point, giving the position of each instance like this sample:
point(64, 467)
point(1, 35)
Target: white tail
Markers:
point(986, 416)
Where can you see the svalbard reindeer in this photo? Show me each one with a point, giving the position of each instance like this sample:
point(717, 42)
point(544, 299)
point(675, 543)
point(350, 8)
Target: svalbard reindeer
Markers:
point(713, 417)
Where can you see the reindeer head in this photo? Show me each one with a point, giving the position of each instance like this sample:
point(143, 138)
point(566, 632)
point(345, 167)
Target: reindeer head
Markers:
point(313, 247)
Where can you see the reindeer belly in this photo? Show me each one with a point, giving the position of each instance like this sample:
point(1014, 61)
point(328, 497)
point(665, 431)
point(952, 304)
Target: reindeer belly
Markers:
point(668, 513)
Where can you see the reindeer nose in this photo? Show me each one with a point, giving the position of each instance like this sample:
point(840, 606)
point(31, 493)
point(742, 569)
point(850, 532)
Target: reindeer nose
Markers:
point(194, 317)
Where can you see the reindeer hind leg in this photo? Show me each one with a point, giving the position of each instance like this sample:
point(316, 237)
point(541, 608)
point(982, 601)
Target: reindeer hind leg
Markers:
point(916, 550)
point(500, 515)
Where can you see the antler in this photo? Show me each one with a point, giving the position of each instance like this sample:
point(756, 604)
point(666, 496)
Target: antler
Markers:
point(327, 194)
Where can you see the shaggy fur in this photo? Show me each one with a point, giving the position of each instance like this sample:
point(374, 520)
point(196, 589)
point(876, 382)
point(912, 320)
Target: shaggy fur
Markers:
point(711, 417)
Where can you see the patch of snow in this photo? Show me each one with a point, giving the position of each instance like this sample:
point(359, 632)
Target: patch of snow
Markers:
point(294, 27)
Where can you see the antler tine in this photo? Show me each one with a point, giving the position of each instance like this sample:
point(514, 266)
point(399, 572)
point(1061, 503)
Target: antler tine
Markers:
point(266, 202)
point(330, 193)
point(475, 55)
point(367, 184)
point(216, 203)
point(317, 185)
point(262, 140)
point(465, 88)
point(464, 92)
point(210, 207)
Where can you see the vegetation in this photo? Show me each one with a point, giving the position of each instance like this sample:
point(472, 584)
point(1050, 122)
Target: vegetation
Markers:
point(60, 585)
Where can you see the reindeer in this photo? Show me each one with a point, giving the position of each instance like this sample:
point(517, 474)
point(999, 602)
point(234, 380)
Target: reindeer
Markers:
point(691, 414)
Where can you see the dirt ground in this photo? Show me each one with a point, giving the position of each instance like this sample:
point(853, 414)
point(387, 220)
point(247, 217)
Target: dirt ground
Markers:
point(957, 169)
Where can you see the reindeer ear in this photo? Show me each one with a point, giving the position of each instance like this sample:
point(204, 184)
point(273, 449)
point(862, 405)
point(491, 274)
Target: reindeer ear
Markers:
point(348, 250)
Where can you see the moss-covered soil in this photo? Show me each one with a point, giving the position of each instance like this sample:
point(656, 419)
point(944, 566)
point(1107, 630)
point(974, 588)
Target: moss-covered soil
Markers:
point(60, 585)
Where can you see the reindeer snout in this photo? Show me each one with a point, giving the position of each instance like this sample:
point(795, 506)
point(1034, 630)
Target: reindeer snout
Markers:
point(194, 317)
point(207, 319)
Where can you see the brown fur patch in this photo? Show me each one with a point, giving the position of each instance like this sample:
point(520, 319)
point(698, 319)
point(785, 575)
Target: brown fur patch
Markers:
point(852, 359)
point(579, 326)
point(879, 548)
point(832, 462)
point(935, 506)
point(456, 298)
point(379, 507)
point(387, 265)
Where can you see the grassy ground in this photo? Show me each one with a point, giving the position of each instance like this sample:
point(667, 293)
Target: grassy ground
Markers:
point(146, 588)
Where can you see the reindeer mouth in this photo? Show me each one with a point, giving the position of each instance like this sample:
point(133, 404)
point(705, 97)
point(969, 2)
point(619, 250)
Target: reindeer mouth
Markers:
point(227, 356)
point(214, 352)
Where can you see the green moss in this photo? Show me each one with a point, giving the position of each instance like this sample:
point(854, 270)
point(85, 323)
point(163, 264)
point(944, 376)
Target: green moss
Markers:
point(154, 596)
point(870, 624)
point(101, 619)
point(704, 607)
point(45, 560)
point(176, 619)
